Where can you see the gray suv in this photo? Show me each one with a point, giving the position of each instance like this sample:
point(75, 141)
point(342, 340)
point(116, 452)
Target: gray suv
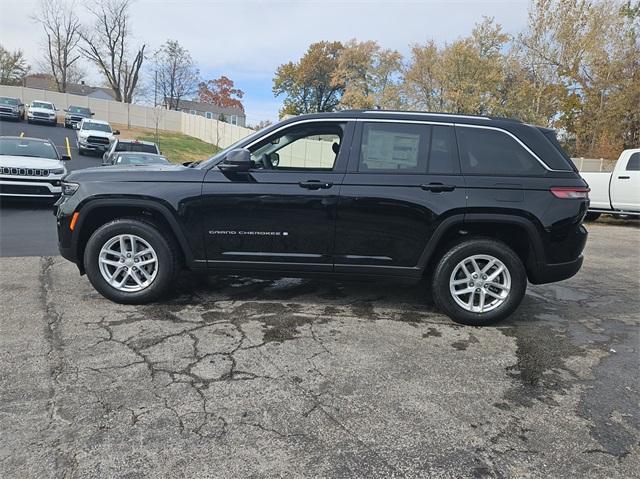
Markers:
point(135, 146)
point(11, 108)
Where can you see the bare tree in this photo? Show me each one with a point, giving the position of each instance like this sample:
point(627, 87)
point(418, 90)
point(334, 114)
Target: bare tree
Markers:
point(107, 46)
point(177, 75)
point(62, 29)
point(13, 67)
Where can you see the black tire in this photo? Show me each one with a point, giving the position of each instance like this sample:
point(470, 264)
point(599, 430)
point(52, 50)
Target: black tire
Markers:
point(443, 297)
point(591, 216)
point(160, 241)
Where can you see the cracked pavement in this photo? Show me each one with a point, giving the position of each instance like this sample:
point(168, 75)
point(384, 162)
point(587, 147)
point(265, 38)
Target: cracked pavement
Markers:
point(240, 377)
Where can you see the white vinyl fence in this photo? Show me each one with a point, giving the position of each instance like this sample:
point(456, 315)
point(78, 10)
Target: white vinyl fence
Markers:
point(211, 131)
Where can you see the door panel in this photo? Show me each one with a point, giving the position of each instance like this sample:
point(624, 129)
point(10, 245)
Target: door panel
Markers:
point(625, 185)
point(392, 199)
point(270, 218)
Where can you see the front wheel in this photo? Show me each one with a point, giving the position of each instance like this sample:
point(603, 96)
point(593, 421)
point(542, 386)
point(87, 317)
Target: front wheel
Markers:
point(479, 282)
point(130, 261)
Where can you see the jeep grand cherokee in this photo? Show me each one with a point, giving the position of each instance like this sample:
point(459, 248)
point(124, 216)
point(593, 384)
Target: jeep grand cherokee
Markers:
point(478, 205)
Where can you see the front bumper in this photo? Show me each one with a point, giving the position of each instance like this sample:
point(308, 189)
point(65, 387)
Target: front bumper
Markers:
point(29, 188)
point(92, 146)
point(13, 115)
point(42, 119)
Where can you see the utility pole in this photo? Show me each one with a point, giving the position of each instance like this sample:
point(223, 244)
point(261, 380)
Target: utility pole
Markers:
point(155, 91)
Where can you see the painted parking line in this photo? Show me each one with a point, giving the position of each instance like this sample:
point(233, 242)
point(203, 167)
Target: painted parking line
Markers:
point(66, 139)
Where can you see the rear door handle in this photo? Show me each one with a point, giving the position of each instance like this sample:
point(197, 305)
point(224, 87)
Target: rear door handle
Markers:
point(624, 177)
point(315, 185)
point(437, 187)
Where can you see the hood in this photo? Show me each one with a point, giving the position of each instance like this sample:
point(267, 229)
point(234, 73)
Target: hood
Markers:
point(100, 133)
point(41, 110)
point(127, 173)
point(30, 162)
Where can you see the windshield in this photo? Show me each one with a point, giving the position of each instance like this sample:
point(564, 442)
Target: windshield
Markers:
point(91, 125)
point(139, 159)
point(41, 104)
point(79, 109)
point(9, 101)
point(218, 157)
point(27, 147)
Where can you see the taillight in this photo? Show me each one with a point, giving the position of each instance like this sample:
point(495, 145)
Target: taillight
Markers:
point(570, 192)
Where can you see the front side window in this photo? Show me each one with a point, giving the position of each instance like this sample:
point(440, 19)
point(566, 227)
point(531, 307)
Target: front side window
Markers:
point(634, 162)
point(494, 153)
point(311, 147)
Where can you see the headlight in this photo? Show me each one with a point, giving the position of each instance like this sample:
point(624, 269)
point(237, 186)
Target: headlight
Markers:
point(58, 171)
point(68, 188)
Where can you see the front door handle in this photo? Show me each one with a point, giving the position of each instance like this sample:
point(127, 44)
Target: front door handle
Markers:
point(624, 177)
point(315, 185)
point(437, 187)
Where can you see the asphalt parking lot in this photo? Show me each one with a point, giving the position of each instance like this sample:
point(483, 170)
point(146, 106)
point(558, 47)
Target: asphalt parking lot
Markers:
point(236, 377)
point(28, 228)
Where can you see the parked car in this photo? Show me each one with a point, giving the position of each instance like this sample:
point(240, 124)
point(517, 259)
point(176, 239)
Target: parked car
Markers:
point(42, 112)
point(75, 114)
point(95, 136)
point(30, 168)
point(478, 205)
point(11, 108)
point(137, 159)
point(617, 192)
point(119, 145)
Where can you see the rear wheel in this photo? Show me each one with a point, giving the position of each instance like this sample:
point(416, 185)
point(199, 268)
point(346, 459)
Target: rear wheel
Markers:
point(479, 282)
point(130, 261)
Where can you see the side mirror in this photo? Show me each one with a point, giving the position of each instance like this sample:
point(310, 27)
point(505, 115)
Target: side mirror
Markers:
point(116, 132)
point(21, 104)
point(76, 126)
point(65, 157)
point(92, 113)
point(275, 159)
point(237, 161)
point(66, 111)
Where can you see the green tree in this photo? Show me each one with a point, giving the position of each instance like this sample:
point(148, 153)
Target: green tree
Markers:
point(310, 84)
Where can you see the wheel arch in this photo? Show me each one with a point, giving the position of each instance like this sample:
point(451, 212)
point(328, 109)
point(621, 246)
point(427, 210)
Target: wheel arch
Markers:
point(519, 233)
point(98, 212)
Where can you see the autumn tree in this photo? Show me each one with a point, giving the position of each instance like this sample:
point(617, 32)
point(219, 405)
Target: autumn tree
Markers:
point(177, 75)
point(311, 84)
point(592, 50)
point(221, 92)
point(370, 75)
point(13, 67)
point(62, 27)
point(107, 44)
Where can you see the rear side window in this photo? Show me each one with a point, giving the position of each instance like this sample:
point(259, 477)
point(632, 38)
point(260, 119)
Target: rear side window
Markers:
point(393, 147)
point(493, 152)
point(137, 147)
point(634, 162)
point(443, 156)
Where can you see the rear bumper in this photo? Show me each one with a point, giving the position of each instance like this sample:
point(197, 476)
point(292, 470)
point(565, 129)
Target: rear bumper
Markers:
point(550, 273)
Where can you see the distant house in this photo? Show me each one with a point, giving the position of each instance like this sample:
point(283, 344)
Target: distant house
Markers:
point(235, 116)
point(42, 81)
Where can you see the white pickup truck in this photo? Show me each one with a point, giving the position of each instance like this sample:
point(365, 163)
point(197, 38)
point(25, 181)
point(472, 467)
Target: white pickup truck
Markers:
point(617, 192)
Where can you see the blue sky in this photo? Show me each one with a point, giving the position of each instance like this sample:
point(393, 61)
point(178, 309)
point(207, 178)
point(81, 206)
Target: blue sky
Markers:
point(247, 40)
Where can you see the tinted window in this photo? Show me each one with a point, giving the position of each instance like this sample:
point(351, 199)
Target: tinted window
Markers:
point(9, 101)
point(39, 104)
point(139, 159)
point(79, 109)
point(393, 147)
point(138, 147)
point(634, 162)
point(89, 125)
point(443, 156)
point(493, 152)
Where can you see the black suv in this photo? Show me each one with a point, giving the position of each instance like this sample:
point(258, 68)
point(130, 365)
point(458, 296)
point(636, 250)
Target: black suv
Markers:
point(478, 205)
